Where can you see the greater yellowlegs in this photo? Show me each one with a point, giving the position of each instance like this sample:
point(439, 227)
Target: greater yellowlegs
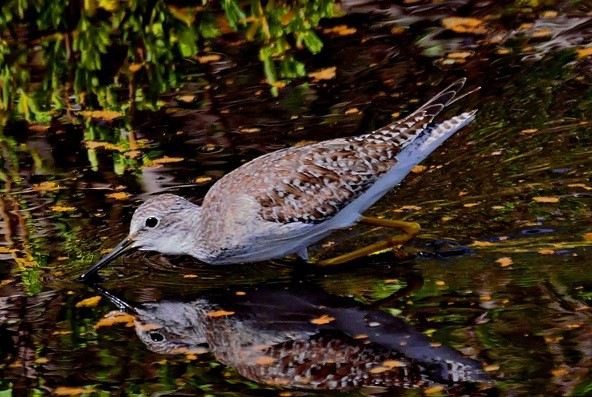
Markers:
point(282, 202)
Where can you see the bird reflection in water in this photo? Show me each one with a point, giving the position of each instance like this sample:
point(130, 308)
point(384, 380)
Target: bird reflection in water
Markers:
point(301, 337)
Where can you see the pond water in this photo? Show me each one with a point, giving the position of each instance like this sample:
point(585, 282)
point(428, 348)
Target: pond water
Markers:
point(494, 296)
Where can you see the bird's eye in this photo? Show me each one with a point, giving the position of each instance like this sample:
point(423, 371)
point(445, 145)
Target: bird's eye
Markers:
point(151, 222)
point(156, 337)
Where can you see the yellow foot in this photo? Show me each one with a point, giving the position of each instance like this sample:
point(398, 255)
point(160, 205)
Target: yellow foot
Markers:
point(409, 229)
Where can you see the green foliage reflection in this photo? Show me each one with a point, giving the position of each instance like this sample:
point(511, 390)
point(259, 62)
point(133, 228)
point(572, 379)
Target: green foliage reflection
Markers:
point(123, 55)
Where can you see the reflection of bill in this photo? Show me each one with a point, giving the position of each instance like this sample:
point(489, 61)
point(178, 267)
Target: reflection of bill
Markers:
point(301, 337)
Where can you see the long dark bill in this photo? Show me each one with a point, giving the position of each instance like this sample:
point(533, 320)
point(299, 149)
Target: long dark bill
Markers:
point(91, 274)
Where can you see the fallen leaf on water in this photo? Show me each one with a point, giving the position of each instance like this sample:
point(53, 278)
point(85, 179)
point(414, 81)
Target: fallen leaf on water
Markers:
point(464, 25)
point(584, 52)
point(118, 195)
point(544, 199)
point(101, 114)
point(433, 390)
point(482, 244)
point(341, 30)
point(469, 205)
point(440, 282)
point(71, 391)
point(559, 372)
point(582, 185)
point(186, 98)
point(103, 145)
point(324, 319)
point(505, 261)
point(6, 250)
point(352, 111)
point(190, 276)
point(163, 160)
point(418, 168)
point(588, 237)
point(208, 58)
point(490, 368)
point(48, 186)
point(529, 131)
point(323, 74)
point(90, 302)
point(379, 369)
point(62, 208)
point(546, 251)
point(219, 313)
point(203, 179)
point(393, 363)
point(249, 130)
point(113, 318)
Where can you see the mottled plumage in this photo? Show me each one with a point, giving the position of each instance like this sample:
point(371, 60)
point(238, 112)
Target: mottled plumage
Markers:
point(282, 202)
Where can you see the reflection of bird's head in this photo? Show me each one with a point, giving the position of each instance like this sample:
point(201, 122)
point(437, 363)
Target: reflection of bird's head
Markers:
point(170, 327)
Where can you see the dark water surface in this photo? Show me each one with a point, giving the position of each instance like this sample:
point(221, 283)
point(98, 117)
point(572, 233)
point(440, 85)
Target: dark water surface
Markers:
point(501, 278)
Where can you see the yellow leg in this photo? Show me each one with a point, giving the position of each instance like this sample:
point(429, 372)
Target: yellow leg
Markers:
point(409, 229)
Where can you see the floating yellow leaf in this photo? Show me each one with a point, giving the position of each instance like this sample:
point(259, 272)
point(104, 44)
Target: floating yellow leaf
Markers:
point(186, 98)
point(219, 313)
point(490, 368)
point(482, 244)
point(48, 186)
point(543, 199)
point(90, 302)
point(546, 251)
point(588, 237)
point(6, 281)
point(352, 111)
point(249, 130)
point(393, 363)
point(6, 250)
point(464, 25)
point(378, 370)
point(240, 293)
point(505, 261)
point(433, 390)
point(410, 208)
point(324, 319)
point(559, 372)
point(190, 276)
point(440, 282)
point(459, 54)
point(118, 195)
point(62, 208)
point(101, 114)
point(584, 52)
point(324, 74)
point(469, 205)
point(360, 336)
point(418, 168)
point(203, 179)
point(71, 391)
point(163, 160)
point(42, 360)
point(103, 145)
point(582, 185)
point(208, 58)
point(341, 30)
point(529, 131)
point(113, 318)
